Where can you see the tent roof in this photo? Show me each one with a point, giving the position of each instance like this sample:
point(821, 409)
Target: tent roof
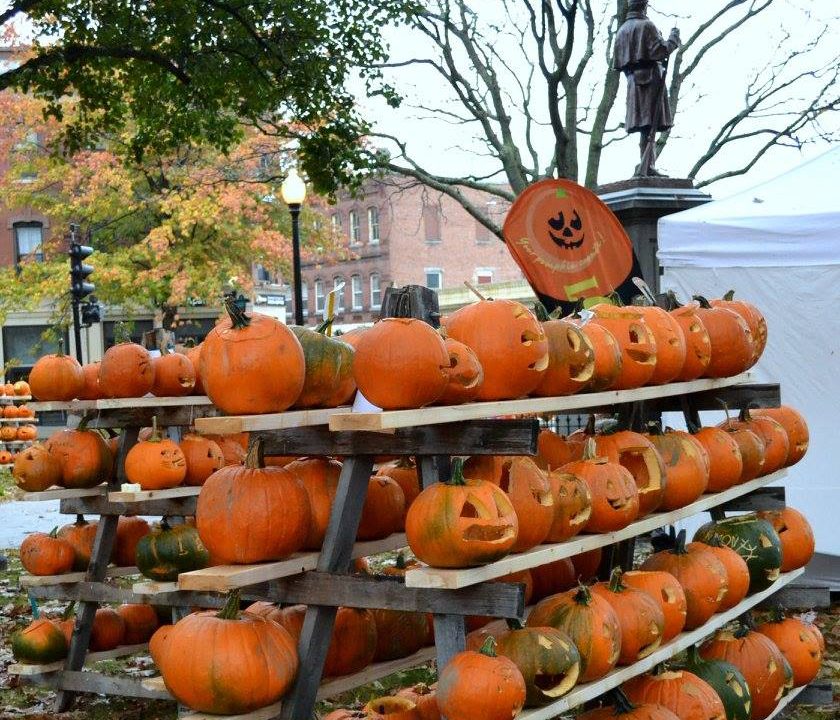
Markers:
point(793, 219)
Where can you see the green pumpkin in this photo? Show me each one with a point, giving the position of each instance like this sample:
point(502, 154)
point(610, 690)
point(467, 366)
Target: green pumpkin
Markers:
point(168, 551)
point(329, 369)
point(39, 643)
point(727, 681)
point(753, 539)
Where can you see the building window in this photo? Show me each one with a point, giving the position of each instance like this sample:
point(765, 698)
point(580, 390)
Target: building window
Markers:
point(319, 297)
point(29, 242)
point(355, 235)
point(375, 292)
point(483, 276)
point(434, 278)
point(338, 286)
point(431, 223)
point(373, 225)
point(304, 293)
point(482, 234)
point(356, 289)
point(262, 275)
point(335, 221)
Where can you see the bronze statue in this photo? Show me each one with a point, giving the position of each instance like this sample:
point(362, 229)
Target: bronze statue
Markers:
point(641, 53)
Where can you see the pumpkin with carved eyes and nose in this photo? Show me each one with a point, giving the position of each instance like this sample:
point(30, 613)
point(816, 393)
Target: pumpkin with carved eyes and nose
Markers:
point(636, 340)
point(157, 463)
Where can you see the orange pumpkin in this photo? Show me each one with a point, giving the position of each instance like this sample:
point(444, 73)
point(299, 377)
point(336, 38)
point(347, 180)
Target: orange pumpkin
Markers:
point(531, 495)
point(797, 643)
point(572, 505)
point(55, 377)
point(751, 447)
point(732, 347)
point(636, 340)
point(464, 374)
point(776, 444)
point(686, 468)
point(682, 692)
point(21, 389)
point(262, 354)
point(126, 371)
point(319, 477)
point(399, 633)
point(607, 354)
point(390, 708)
point(401, 363)
point(403, 472)
point(554, 451)
point(586, 564)
point(796, 534)
point(174, 375)
point(233, 447)
point(130, 530)
point(671, 351)
point(752, 316)
point(8, 433)
point(24, 411)
point(737, 572)
point(9, 390)
point(353, 644)
point(156, 463)
point(251, 514)
point(424, 698)
point(10, 411)
point(194, 354)
point(36, 469)
point(552, 578)
point(667, 592)
point(90, 389)
point(698, 344)
point(202, 456)
point(571, 359)
point(139, 623)
point(46, 554)
point(795, 427)
point(266, 610)
point(84, 456)
point(510, 345)
point(628, 711)
point(80, 536)
point(726, 465)
point(6, 458)
point(26, 432)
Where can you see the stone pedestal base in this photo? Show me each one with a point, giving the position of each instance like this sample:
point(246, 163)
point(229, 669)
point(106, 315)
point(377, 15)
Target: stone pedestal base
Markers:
point(639, 203)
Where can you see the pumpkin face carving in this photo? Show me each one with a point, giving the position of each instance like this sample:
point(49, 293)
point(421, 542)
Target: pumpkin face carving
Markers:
point(571, 363)
point(637, 342)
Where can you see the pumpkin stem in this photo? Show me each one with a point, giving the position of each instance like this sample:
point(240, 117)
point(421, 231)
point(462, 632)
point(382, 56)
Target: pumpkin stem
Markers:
point(679, 544)
point(744, 415)
point(654, 427)
point(692, 427)
point(693, 656)
point(238, 318)
point(457, 477)
point(590, 426)
point(54, 532)
point(155, 437)
point(647, 294)
point(323, 328)
point(622, 703)
point(60, 352)
point(164, 523)
point(474, 290)
point(254, 458)
point(704, 303)
point(80, 520)
point(777, 613)
point(400, 563)
point(616, 585)
point(583, 596)
point(515, 623)
point(726, 412)
point(590, 449)
point(489, 647)
point(729, 295)
point(541, 312)
point(672, 300)
point(231, 609)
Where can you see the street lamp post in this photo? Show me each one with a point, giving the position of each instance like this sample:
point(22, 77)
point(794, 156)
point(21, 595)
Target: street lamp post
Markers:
point(293, 191)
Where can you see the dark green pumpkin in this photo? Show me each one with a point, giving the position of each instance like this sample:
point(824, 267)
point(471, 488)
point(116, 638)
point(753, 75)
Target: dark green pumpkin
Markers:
point(39, 642)
point(546, 657)
point(753, 539)
point(167, 551)
point(727, 681)
point(329, 370)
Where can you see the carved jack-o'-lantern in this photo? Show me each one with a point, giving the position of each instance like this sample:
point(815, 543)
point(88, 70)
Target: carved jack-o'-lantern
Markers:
point(567, 242)
point(571, 362)
point(637, 342)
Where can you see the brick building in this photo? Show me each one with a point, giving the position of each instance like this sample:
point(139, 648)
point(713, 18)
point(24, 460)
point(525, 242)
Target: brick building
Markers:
point(399, 232)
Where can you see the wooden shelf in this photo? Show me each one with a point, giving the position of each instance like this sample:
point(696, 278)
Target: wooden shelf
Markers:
point(144, 495)
point(335, 686)
point(57, 493)
point(589, 691)
point(389, 420)
point(28, 420)
point(74, 577)
point(266, 713)
point(785, 701)
point(429, 577)
point(223, 425)
point(121, 651)
point(223, 578)
point(119, 403)
point(15, 398)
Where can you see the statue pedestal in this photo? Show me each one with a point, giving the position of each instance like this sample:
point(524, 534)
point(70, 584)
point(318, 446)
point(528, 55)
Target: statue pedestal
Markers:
point(639, 203)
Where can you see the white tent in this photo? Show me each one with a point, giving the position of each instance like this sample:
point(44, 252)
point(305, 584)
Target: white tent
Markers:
point(778, 245)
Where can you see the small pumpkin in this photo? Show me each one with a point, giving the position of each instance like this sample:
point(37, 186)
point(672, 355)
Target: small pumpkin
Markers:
point(555, 451)
point(36, 469)
point(698, 344)
point(531, 495)
point(509, 342)
point(590, 622)
point(6, 458)
point(751, 447)
point(571, 358)
point(755, 540)
point(776, 443)
point(636, 340)
point(174, 375)
point(671, 350)
point(390, 708)
point(795, 534)
point(108, 630)
point(139, 623)
point(403, 471)
point(39, 643)
point(464, 374)
point(726, 466)
point(552, 578)
point(319, 477)
point(702, 576)
point(424, 698)
point(401, 363)
point(26, 432)
point(46, 554)
point(8, 433)
point(80, 536)
point(732, 346)
point(797, 644)
point(157, 463)
point(353, 643)
point(126, 371)
point(607, 354)
point(252, 514)
point(752, 316)
point(794, 425)
point(56, 377)
point(24, 411)
point(167, 551)
point(234, 449)
point(726, 680)
point(689, 697)
point(666, 590)
point(129, 532)
point(480, 685)
point(737, 572)
point(461, 523)
point(328, 381)
point(686, 467)
point(84, 456)
point(384, 510)
point(21, 389)
point(639, 615)
point(202, 456)
point(572, 505)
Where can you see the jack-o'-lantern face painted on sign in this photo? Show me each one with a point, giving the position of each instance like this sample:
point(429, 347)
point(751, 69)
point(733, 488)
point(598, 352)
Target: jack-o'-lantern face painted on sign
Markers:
point(567, 242)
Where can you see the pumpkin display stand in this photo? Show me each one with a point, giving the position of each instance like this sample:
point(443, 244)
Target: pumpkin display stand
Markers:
point(10, 422)
point(321, 580)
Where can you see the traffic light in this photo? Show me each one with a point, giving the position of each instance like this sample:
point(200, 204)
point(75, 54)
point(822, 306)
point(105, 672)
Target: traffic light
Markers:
point(79, 271)
point(91, 312)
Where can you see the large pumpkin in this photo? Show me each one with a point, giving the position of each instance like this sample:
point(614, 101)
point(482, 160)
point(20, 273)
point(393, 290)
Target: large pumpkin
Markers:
point(36, 469)
point(167, 551)
point(252, 514)
point(84, 456)
point(56, 377)
point(39, 643)
point(140, 622)
point(752, 316)
point(510, 345)
point(776, 443)
point(464, 374)
point(126, 371)
point(686, 468)
point(607, 354)
point(203, 457)
point(636, 340)
point(46, 554)
point(701, 574)
point(80, 535)
point(639, 615)
point(246, 662)
point(795, 534)
point(480, 685)
point(329, 370)
point(251, 364)
point(732, 347)
point(737, 572)
point(590, 622)
point(572, 505)
point(754, 539)
point(797, 643)
point(682, 692)
point(129, 532)
point(546, 657)
point(319, 477)
point(531, 495)
point(174, 375)
point(726, 680)
point(671, 351)
point(726, 466)
point(666, 590)
point(698, 345)
point(795, 427)
point(157, 463)
point(461, 523)
point(193, 352)
point(571, 359)
point(108, 630)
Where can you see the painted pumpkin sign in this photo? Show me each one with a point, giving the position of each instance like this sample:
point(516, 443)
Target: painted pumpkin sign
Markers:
point(567, 242)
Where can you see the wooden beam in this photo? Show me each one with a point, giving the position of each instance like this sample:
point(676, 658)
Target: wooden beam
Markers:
point(475, 437)
point(146, 495)
point(802, 596)
point(266, 713)
point(86, 681)
point(106, 593)
point(167, 416)
point(90, 658)
point(819, 692)
point(452, 579)
point(331, 687)
point(589, 691)
point(30, 581)
point(62, 493)
point(786, 701)
point(229, 424)
point(100, 505)
point(528, 406)
point(766, 498)
point(121, 403)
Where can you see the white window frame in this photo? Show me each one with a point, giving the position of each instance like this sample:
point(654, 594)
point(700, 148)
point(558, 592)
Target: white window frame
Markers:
point(335, 221)
point(373, 225)
point(433, 270)
point(320, 297)
point(375, 302)
point(355, 228)
point(304, 295)
point(340, 305)
point(356, 292)
point(483, 271)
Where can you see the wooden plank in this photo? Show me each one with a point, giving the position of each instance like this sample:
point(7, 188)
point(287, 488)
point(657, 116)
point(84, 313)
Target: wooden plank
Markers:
point(14, 398)
point(153, 587)
point(148, 401)
point(473, 411)
point(761, 395)
point(100, 505)
point(179, 416)
point(336, 686)
point(590, 691)
point(266, 713)
point(452, 579)
point(222, 578)
point(88, 681)
point(450, 637)
point(146, 495)
point(819, 692)
point(789, 699)
point(106, 593)
point(27, 420)
point(475, 437)
point(28, 581)
point(223, 425)
point(766, 498)
point(121, 651)
point(57, 493)
point(803, 596)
